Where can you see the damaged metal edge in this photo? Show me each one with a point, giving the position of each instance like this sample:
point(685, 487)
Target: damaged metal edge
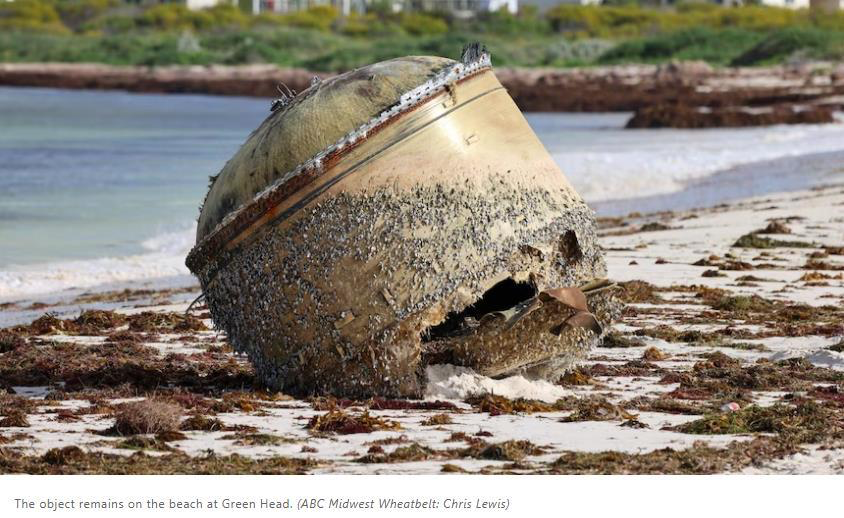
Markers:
point(209, 245)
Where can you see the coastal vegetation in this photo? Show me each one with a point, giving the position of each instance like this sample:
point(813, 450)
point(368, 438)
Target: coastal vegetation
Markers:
point(115, 32)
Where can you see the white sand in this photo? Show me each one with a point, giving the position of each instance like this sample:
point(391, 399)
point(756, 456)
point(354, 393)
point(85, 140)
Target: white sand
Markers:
point(711, 232)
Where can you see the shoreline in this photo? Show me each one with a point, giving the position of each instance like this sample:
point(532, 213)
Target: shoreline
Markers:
point(707, 323)
point(781, 175)
point(588, 89)
point(601, 159)
point(790, 174)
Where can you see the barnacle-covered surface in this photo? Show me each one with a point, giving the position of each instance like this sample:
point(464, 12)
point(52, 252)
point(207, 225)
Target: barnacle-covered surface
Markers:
point(742, 371)
point(312, 122)
point(350, 318)
point(334, 275)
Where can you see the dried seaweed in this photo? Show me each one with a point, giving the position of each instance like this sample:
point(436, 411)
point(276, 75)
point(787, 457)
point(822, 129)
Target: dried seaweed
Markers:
point(338, 421)
point(507, 450)
point(754, 240)
point(73, 460)
point(9, 341)
point(597, 408)
point(115, 365)
point(437, 420)
point(639, 292)
point(652, 354)
point(500, 405)
point(201, 423)
point(148, 321)
point(258, 439)
point(147, 416)
point(410, 453)
point(805, 422)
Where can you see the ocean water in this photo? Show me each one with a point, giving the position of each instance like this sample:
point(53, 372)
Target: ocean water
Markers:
point(103, 187)
point(606, 162)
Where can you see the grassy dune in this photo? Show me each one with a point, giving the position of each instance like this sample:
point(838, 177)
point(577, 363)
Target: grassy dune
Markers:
point(109, 31)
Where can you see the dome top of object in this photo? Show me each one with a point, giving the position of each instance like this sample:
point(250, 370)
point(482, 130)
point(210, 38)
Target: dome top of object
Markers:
point(301, 127)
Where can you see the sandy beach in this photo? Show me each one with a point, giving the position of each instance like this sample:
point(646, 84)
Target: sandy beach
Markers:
point(729, 358)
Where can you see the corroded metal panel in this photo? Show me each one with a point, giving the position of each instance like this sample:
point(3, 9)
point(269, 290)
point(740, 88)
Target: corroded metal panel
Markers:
point(438, 230)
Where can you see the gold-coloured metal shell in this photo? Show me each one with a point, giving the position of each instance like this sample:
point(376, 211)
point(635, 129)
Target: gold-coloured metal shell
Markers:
point(348, 273)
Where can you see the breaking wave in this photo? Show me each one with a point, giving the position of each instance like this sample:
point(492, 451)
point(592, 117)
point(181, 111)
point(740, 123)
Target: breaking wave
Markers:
point(162, 259)
point(613, 163)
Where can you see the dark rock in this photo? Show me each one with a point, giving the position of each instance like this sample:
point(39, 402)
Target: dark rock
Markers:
point(684, 116)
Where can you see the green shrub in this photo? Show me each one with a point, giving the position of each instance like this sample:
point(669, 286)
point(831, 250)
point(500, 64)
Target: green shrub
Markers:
point(113, 24)
point(287, 46)
point(421, 24)
point(793, 42)
point(227, 15)
point(168, 17)
point(30, 15)
point(358, 25)
point(177, 17)
point(717, 46)
point(631, 20)
point(76, 14)
point(368, 25)
point(610, 21)
point(757, 17)
point(695, 7)
point(562, 52)
point(320, 18)
point(527, 21)
point(824, 20)
point(112, 31)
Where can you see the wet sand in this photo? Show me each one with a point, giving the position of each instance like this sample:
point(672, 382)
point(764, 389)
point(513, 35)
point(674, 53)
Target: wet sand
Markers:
point(727, 359)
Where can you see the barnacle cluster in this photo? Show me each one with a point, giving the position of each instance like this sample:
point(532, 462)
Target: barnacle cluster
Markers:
point(438, 230)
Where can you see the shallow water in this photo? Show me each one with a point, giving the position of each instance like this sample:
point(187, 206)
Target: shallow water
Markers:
point(103, 187)
point(606, 162)
point(88, 174)
point(784, 174)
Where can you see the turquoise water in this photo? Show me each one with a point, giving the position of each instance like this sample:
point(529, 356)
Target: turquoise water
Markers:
point(87, 174)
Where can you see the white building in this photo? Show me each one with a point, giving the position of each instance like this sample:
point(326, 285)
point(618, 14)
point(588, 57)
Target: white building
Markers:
point(512, 6)
point(827, 5)
point(460, 8)
point(463, 8)
point(288, 6)
point(544, 5)
point(201, 4)
point(789, 4)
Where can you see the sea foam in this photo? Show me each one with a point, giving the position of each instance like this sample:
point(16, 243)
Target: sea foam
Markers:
point(163, 260)
point(610, 163)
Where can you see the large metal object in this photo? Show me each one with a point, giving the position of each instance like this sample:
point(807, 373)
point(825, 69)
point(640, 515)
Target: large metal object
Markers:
point(395, 216)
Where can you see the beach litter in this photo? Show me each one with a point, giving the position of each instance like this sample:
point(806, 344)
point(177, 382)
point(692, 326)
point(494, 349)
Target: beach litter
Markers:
point(396, 217)
point(730, 407)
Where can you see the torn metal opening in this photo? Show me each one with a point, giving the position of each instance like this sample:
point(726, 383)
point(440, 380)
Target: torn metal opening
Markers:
point(501, 297)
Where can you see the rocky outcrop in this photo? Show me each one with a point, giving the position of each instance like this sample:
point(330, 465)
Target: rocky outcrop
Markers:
point(246, 80)
point(595, 89)
point(631, 87)
point(682, 116)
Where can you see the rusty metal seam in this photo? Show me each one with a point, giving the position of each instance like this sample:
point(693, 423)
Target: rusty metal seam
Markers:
point(311, 196)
